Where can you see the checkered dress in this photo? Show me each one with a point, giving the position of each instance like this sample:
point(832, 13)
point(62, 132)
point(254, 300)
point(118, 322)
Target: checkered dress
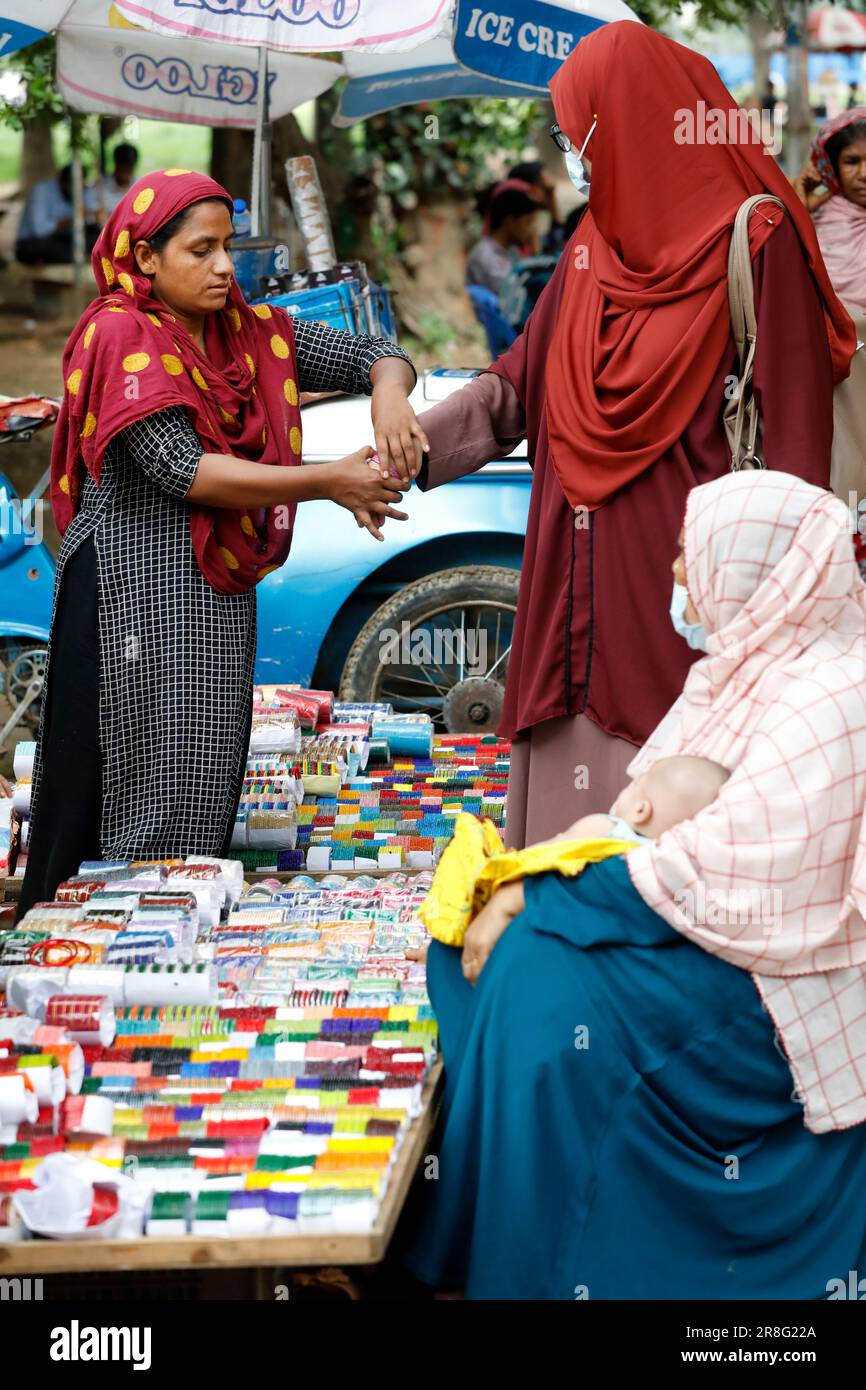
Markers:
point(176, 657)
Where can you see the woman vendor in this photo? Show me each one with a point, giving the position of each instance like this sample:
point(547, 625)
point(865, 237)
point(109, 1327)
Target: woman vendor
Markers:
point(657, 1086)
point(618, 383)
point(176, 472)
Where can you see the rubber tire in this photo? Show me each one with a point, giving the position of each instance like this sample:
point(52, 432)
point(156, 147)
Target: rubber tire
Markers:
point(414, 603)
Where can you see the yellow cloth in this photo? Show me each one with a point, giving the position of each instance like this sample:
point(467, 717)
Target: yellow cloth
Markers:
point(476, 863)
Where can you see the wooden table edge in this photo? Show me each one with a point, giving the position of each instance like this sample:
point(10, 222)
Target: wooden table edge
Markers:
point(228, 1252)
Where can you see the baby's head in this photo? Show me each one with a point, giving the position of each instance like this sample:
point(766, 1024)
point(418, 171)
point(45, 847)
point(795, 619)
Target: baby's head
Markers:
point(672, 790)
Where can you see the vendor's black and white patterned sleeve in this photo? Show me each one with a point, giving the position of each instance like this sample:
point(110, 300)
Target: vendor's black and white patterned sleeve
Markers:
point(166, 448)
point(330, 359)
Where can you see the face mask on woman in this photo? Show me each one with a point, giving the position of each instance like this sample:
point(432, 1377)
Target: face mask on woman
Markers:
point(575, 166)
point(693, 633)
point(576, 171)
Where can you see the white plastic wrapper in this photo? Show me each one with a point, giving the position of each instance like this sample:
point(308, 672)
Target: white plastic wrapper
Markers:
point(310, 211)
point(18, 1103)
point(48, 1081)
point(20, 1030)
point(29, 987)
point(61, 1204)
point(171, 984)
point(231, 872)
point(271, 829)
point(97, 979)
point(209, 896)
point(275, 732)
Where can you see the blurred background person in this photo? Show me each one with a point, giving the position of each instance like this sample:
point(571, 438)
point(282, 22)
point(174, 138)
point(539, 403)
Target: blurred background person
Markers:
point(510, 225)
point(550, 241)
point(109, 190)
point(833, 187)
point(45, 230)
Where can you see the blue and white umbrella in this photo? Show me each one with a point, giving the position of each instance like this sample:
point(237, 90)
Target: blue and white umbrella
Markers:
point(511, 50)
point(109, 66)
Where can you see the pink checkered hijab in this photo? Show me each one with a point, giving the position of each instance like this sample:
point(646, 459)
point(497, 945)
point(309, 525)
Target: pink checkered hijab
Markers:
point(771, 876)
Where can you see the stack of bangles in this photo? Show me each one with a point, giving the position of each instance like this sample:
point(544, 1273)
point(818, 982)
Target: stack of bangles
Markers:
point(76, 952)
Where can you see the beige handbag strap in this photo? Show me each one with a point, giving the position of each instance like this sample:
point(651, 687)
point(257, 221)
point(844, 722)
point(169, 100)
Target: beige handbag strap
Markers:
point(742, 421)
point(741, 286)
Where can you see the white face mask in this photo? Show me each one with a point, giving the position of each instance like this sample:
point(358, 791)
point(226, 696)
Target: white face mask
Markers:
point(574, 164)
point(576, 171)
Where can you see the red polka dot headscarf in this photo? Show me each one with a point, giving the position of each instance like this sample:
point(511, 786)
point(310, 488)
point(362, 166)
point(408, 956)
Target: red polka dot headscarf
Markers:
point(130, 356)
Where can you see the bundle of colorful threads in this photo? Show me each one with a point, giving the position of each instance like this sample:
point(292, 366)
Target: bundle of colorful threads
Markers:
point(278, 1106)
point(368, 789)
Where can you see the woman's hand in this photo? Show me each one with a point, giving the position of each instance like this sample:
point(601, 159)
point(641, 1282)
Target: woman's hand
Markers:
point(805, 184)
point(360, 486)
point(400, 440)
point(484, 932)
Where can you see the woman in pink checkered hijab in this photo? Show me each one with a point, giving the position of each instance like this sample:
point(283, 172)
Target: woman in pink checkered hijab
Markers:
point(661, 1075)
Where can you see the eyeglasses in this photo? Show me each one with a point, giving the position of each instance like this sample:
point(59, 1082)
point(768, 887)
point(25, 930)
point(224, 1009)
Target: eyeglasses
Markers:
point(562, 141)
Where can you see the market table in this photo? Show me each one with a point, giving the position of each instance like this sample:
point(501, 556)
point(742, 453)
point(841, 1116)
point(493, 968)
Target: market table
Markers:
point(298, 1252)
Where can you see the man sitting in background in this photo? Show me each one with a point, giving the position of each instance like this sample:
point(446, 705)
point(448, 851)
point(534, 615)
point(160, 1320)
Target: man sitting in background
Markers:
point(510, 213)
point(45, 230)
point(109, 190)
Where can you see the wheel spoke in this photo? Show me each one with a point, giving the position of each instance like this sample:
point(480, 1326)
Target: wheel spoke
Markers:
point(427, 684)
point(503, 657)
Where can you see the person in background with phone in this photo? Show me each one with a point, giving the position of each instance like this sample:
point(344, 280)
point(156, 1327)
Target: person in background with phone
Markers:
point(833, 187)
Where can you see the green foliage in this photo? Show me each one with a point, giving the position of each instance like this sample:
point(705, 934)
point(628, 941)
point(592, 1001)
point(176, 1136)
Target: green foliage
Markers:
point(707, 13)
point(434, 146)
point(36, 66)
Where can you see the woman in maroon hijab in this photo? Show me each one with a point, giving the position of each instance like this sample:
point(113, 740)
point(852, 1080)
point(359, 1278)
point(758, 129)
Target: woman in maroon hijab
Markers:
point(618, 383)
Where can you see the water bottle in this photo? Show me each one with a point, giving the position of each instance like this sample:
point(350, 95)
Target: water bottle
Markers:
point(242, 221)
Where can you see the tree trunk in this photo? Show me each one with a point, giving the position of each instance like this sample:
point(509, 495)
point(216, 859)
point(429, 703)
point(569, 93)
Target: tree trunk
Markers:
point(430, 275)
point(231, 160)
point(799, 127)
point(37, 156)
point(759, 29)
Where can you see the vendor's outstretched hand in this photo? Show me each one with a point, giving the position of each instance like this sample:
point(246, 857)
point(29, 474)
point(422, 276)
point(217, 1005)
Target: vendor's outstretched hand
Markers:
point(484, 932)
point(400, 440)
point(360, 485)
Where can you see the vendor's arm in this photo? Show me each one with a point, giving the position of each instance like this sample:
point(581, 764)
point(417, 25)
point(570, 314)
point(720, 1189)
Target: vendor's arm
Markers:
point(482, 421)
point(167, 449)
point(330, 359)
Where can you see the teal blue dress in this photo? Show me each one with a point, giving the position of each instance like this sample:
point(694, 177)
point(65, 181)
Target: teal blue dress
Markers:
point(619, 1122)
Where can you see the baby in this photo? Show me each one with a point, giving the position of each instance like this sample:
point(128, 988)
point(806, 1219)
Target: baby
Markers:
point(672, 790)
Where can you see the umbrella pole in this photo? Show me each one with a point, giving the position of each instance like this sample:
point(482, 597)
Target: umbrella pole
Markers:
point(260, 200)
point(78, 245)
